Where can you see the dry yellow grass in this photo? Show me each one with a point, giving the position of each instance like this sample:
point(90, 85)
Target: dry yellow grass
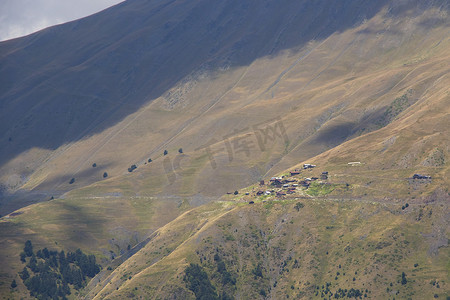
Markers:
point(331, 101)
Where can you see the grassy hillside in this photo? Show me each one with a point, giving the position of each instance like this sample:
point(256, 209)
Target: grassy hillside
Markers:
point(280, 249)
point(249, 92)
point(107, 225)
point(313, 86)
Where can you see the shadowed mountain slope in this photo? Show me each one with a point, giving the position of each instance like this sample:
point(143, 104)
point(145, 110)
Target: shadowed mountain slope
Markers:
point(74, 80)
point(236, 92)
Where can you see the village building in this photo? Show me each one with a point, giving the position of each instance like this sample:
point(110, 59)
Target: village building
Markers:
point(291, 190)
point(308, 166)
point(276, 181)
point(295, 172)
point(289, 180)
point(305, 183)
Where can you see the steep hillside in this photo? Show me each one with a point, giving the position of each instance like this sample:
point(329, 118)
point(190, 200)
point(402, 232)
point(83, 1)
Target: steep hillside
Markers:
point(292, 248)
point(137, 85)
point(130, 125)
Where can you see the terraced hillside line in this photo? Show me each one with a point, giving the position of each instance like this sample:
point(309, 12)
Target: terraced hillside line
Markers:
point(330, 64)
point(188, 123)
point(65, 148)
point(295, 63)
point(105, 140)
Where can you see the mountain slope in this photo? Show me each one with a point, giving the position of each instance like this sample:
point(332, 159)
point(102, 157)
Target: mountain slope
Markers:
point(236, 93)
point(333, 243)
point(123, 98)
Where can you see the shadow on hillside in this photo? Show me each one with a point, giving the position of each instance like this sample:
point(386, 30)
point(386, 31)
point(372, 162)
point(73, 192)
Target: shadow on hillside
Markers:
point(51, 188)
point(78, 79)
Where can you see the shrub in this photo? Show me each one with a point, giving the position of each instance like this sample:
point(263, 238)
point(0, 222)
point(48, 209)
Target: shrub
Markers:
point(299, 205)
point(13, 284)
point(149, 160)
point(165, 152)
point(72, 181)
point(404, 280)
point(257, 271)
point(94, 165)
point(105, 175)
point(236, 192)
point(180, 150)
point(132, 168)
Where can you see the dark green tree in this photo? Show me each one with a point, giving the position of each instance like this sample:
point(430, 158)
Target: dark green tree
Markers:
point(28, 249)
point(404, 280)
point(198, 282)
point(13, 284)
point(32, 264)
point(24, 275)
point(23, 257)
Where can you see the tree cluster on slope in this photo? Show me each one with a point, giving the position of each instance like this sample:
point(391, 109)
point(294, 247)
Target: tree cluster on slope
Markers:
point(197, 280)
point(48, 274)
